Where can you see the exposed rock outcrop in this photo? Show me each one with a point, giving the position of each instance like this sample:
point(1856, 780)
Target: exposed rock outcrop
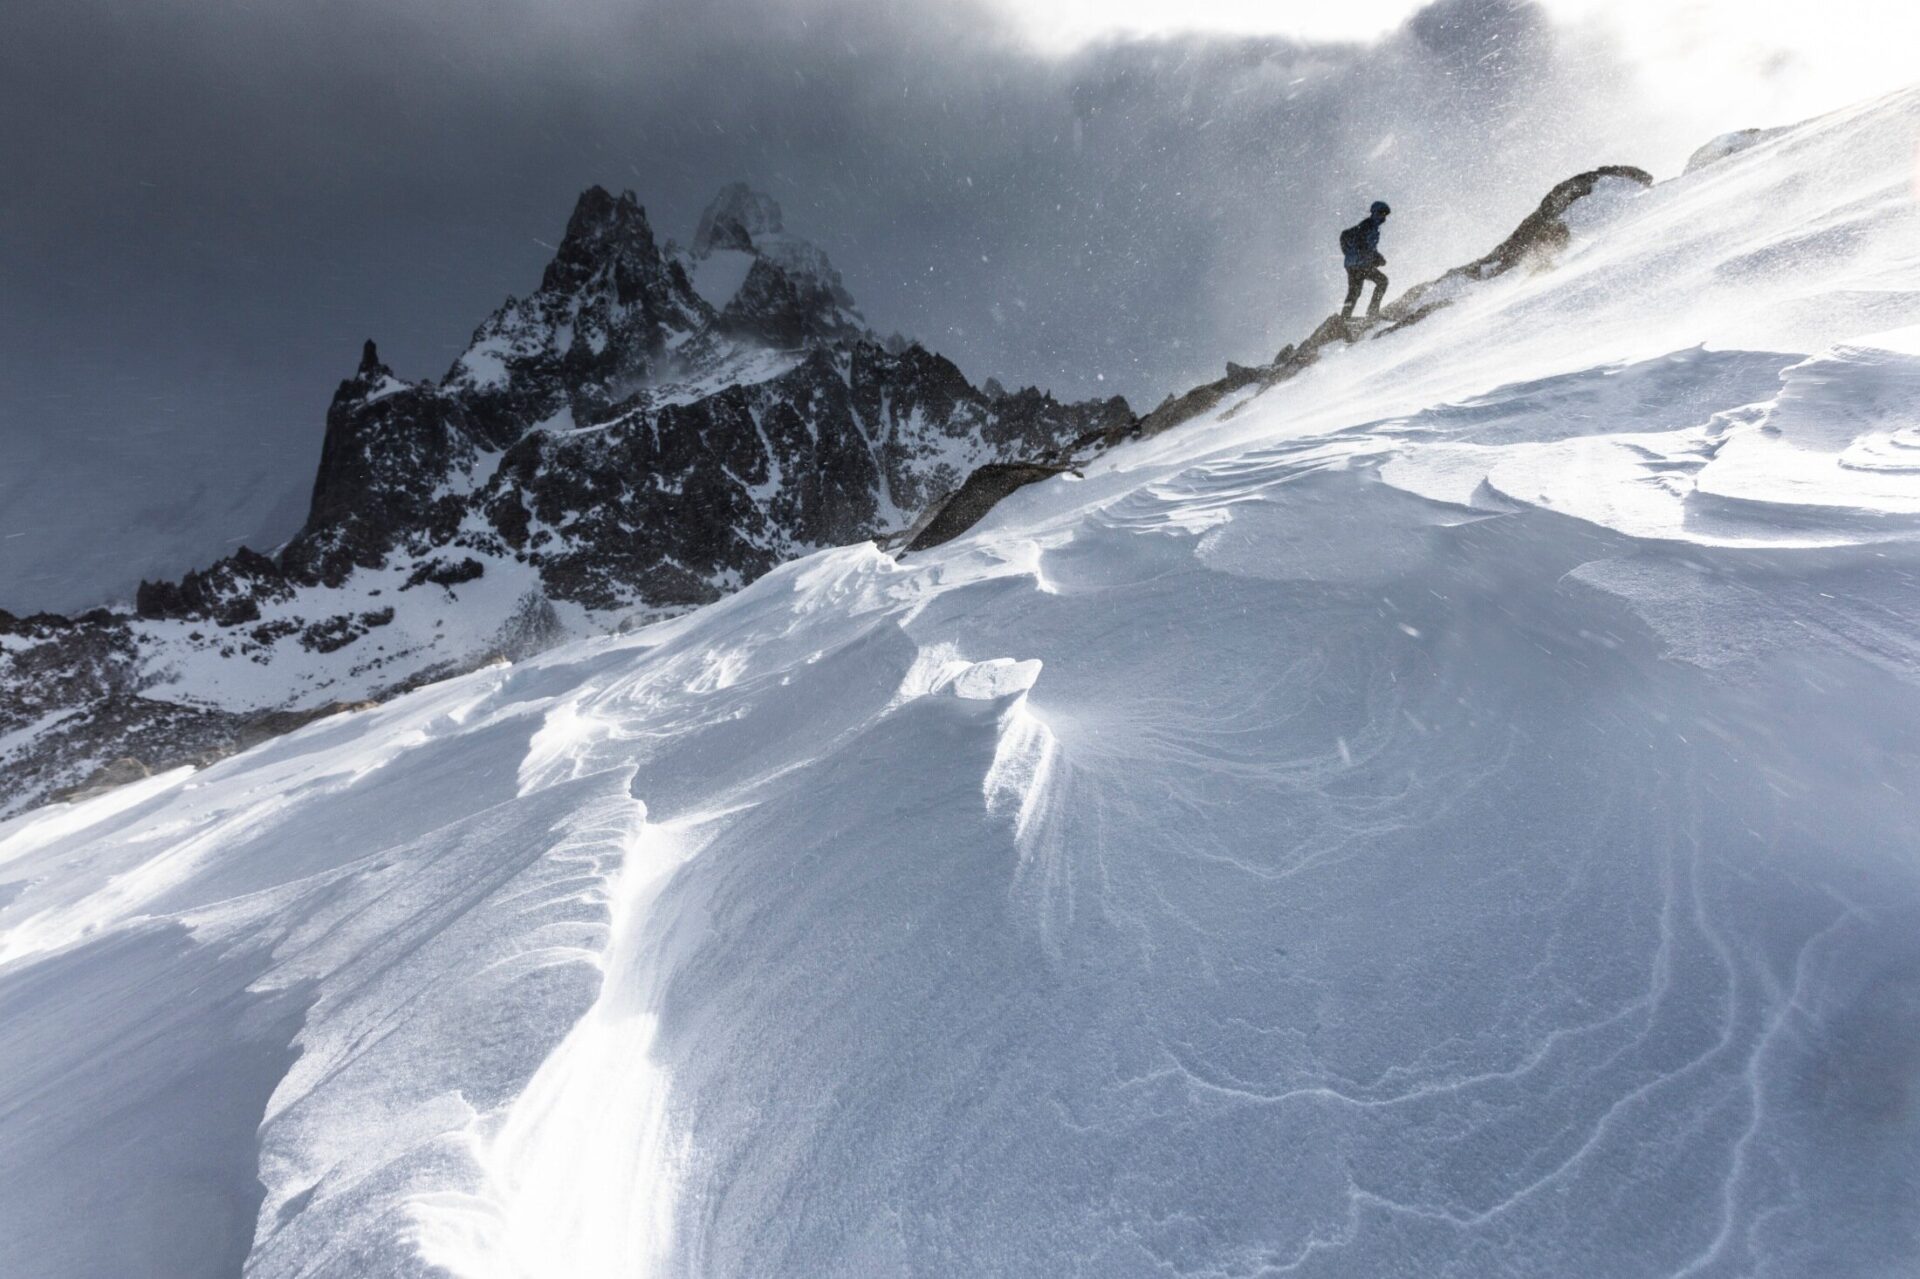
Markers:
point(981, 493)
point(1728, 144)
point(1534, 244)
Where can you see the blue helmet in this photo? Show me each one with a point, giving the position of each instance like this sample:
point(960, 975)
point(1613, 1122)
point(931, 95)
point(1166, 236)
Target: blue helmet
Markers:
point(1379, 209)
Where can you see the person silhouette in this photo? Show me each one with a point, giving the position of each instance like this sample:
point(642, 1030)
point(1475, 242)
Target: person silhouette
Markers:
point(1360, 247)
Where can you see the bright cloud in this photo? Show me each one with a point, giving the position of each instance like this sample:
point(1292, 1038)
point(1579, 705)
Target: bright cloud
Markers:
point(1770, 60)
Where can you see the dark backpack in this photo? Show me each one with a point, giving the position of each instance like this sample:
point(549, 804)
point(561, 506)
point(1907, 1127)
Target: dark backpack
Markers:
point(1352, 245)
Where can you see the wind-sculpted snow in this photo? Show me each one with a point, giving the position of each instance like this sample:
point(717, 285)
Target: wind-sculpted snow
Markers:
point(1818, 462)
point(1449, 814)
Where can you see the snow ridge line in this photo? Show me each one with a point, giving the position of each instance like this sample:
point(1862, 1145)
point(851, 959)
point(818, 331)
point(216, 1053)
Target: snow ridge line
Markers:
point(579, 1172)
point(457, 965)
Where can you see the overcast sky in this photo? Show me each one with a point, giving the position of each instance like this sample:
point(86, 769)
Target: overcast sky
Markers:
point(205, 205)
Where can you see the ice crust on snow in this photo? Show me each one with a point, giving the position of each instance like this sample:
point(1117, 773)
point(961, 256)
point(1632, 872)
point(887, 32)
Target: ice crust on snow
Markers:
point(1452, 813)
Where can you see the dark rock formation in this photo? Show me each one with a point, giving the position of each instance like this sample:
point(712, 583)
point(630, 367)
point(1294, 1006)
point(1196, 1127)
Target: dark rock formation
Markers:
point(849, 442)
point(605, 430)
point(600, 431)
point(532, 627)
point(775, 308)
point(630, 445)
point(1539, 239)
point(442, 572)
point(213, 736)
point(229, 593)
point(608, 317)
point(330, 634)
point(980, 494)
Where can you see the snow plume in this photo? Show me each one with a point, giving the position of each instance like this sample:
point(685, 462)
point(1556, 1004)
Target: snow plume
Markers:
point(188, 267)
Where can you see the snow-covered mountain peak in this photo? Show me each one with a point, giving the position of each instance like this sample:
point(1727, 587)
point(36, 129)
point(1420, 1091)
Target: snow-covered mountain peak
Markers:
point(768, 284)
point(613, 313)
point(607, 236)
point(737, 218)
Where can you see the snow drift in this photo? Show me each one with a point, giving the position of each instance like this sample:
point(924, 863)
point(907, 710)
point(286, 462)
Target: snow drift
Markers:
point(1451, 813)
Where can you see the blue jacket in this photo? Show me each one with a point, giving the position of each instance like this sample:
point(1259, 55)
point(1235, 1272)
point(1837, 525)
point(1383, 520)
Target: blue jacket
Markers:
point(1361, 244)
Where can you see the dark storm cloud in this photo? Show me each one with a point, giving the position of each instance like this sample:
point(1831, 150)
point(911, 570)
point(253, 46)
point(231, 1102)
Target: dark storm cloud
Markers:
point(207, 205)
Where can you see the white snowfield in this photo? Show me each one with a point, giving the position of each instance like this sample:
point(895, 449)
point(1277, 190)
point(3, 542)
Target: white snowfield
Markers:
point(1454, 814)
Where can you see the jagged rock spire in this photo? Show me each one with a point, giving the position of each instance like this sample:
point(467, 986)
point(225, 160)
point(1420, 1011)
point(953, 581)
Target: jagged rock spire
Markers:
point(609, 310)
point(791, 295)
point(736, 219)
point(604, 231)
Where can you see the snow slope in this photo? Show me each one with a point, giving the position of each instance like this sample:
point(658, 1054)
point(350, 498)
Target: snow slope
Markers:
point(1452, 814)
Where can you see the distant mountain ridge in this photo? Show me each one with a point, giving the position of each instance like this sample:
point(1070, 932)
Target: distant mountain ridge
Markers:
point(765, 420)
point(652, 427)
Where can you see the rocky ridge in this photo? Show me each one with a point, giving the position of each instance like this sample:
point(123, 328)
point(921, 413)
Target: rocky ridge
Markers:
point(1533, 245)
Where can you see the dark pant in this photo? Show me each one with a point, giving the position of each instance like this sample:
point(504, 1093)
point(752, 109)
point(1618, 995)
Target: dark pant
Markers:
point(1357, 277)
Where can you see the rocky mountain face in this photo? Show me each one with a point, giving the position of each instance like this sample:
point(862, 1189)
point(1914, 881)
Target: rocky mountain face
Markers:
point(652, 427)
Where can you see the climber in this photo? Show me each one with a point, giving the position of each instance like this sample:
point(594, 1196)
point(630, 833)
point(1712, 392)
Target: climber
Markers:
point(1360, 246)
